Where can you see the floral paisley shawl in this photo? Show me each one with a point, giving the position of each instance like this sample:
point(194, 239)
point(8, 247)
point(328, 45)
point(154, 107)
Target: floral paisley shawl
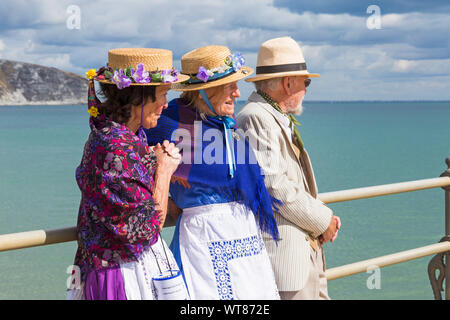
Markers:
point(117, 219)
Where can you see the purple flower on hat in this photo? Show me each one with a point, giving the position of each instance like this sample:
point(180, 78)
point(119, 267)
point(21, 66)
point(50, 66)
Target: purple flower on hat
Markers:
point(140, 75)
point(169, 75)
point(202, 74)
point(238, 61)
point(175, 73)
point(120, 79)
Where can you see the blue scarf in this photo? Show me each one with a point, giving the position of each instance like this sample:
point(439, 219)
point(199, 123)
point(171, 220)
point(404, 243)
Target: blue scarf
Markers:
point(246, 185)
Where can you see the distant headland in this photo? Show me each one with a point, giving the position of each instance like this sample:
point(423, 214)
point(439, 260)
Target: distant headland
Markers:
point(24, 83)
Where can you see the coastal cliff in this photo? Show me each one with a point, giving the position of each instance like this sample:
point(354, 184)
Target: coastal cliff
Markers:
point(30, 84)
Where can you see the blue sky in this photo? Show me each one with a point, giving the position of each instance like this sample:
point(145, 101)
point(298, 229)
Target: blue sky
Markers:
point(408, 58)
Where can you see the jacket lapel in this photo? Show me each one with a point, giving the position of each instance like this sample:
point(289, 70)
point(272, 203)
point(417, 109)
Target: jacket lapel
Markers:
point(309, 173)
point(302, 158)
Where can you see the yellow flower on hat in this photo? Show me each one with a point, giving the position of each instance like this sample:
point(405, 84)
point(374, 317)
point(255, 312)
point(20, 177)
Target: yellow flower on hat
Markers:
point(91, 73)
point(93, 111)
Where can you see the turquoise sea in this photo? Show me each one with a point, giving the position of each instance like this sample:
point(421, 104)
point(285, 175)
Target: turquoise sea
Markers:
point(351, 144)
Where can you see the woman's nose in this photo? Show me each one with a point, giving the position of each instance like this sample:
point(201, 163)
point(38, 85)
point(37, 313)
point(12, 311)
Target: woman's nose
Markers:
point(165, 105)
point(236, 92)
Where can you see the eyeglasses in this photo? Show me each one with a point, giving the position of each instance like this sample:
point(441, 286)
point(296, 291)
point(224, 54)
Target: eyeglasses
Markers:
point(307, 82)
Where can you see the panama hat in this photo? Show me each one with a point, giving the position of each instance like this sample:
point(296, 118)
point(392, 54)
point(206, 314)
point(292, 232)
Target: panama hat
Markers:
point(137, 67)
point(280, 57)
point(211, 66)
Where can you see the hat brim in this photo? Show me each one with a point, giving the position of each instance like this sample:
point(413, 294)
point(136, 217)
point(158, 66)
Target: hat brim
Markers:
point(181, 78)
point(236, 76)
point(266, 76)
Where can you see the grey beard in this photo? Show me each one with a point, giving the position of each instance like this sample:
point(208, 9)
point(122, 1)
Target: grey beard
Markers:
point(297, 110)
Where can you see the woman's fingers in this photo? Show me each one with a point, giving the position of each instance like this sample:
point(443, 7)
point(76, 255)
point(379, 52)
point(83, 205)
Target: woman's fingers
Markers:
point(171, 149)
point(166, 144)
point(175, 152)
point(167, 148)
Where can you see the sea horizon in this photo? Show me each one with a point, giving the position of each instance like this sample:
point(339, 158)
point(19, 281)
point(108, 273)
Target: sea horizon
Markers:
point(58, 104)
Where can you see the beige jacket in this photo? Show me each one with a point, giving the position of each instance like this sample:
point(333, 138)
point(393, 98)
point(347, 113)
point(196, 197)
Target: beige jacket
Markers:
point(287, 178)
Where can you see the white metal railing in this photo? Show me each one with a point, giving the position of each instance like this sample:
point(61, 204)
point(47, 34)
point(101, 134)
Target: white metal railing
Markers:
point(382, 190)
point(388, 260)
point(21, 240)
point(28, 239)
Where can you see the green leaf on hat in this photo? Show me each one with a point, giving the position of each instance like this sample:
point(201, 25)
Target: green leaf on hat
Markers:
point(156, 77)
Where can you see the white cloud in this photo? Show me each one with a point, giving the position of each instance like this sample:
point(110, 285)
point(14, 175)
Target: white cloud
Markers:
point(423, 67)
point(60, 61)
point(339, 46)
point(404, 65)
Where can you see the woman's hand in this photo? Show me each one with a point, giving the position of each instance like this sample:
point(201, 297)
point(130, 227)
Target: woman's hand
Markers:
point(168, 157)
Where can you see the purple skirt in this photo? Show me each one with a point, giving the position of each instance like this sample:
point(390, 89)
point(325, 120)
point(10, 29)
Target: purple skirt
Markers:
point(105, 284)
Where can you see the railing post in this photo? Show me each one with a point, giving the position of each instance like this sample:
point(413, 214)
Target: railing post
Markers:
point(441, 261)
point(447, 231)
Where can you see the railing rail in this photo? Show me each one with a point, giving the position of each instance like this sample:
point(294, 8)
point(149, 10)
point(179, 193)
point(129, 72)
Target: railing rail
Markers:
point(34, 238)
point(27, 239)
point(388, 260)
point(383, 190)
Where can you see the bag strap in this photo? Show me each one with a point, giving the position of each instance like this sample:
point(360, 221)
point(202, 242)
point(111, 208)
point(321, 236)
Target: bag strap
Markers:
point(165, 254)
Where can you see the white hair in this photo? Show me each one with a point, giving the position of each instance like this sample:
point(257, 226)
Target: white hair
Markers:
point(268, 84)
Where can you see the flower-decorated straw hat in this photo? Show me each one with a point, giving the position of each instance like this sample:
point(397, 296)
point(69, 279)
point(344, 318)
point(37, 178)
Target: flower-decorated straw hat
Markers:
point(133, 67)
point(137, 66)
point(280, 57)
point(211, 66)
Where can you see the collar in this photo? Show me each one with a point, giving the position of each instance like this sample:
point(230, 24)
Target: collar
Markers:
point(292, 120)
point(283, 118)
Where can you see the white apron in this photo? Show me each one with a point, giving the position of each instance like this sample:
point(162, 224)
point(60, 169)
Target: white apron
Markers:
point(223, 255)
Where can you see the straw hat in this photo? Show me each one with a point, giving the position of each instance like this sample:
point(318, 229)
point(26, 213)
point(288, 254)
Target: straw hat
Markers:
point(280, 57)
point(215, 61)
point(156, 63)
